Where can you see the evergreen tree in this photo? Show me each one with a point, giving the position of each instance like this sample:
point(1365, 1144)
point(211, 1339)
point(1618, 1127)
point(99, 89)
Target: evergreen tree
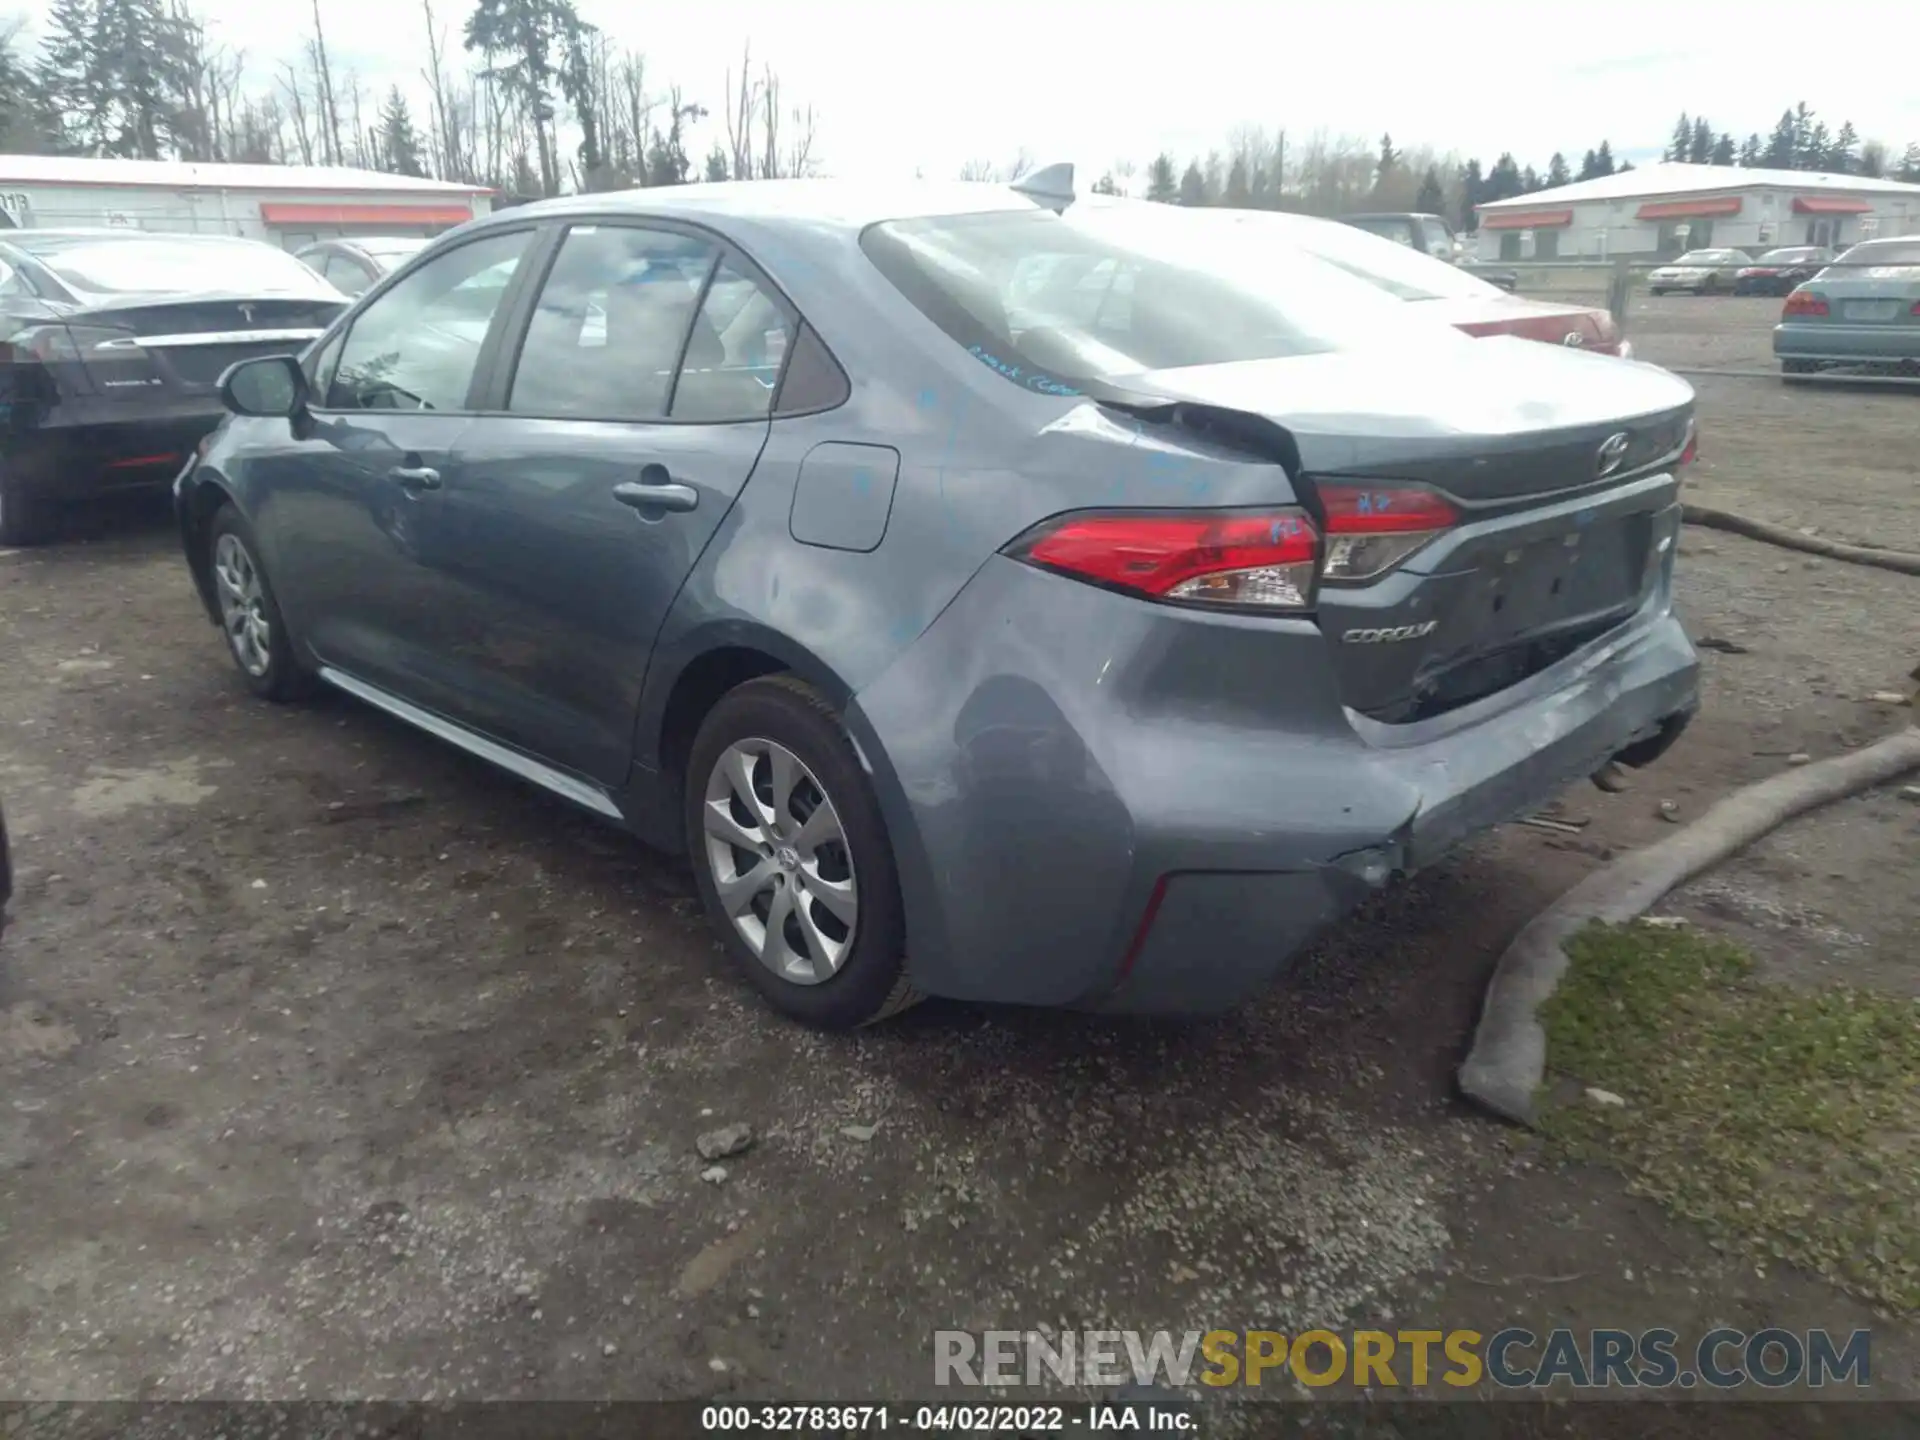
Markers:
point(1805, 136)
point(1473, 192)
point(1724, 151)
point(1700, 146)
point(1589, 166)
point(520, 39)
point(1161, 185)
point(1239, 194)
point(1841, 157)
point(1557, 170)
point(1504, 181)
point(1779, 154)
point(68, 76)
point(400, 145)
point(1193, 185)
point(1603, 159)
point(1910, 165)
point(1623, 167)
point(1752, 154)
point(1388, 162)
point(716, 164)
point(1432, 199)
point(1682, 140)
point(1106, 185)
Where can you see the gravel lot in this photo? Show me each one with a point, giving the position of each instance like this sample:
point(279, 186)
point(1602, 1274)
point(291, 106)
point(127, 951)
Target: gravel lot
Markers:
point(334, 1064)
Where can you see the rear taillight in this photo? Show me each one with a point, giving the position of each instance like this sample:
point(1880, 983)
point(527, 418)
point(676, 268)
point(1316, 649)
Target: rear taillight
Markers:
point(1916, 308)
point(1373, 528)
point(1805, 302)
point(1690, 451)
point(1263, 560)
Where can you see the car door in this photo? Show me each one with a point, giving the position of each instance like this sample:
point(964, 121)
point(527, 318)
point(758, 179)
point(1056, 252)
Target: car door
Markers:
point(630, 410)
point(336, 505)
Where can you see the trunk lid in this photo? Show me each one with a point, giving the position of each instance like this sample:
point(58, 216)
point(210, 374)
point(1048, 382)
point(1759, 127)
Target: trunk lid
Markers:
point(1572, 325)
point(1564, 530)
point(1867, 294)
point(134, 344)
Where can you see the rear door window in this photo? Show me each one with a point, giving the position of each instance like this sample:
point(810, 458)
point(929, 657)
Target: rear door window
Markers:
point(615, 313)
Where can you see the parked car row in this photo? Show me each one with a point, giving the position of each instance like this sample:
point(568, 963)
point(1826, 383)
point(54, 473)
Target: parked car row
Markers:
point(1002, 594)
point(1857, 316)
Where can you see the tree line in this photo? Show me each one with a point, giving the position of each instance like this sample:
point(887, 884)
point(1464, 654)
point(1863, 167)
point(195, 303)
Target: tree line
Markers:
point(531, 100)
point(1324, 176)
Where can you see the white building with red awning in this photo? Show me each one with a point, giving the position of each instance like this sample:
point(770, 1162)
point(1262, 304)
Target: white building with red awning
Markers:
point(1658, 211)
point(290, 205)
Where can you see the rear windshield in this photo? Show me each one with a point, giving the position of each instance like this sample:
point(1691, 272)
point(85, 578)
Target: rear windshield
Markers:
point(1054, 302)
point(165, 267)
point(391, 249)
point(1905, 251)
point(1400, 270)
point(1782, 257)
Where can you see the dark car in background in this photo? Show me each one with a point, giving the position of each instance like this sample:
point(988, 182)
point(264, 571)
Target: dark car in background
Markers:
point(1433, 236)
point(353, 266)
point(1778, 271)
point(114, 343)
point(1045, 601)
point(1859, 317)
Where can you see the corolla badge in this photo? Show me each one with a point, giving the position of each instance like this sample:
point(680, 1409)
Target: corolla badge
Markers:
point(1612, 454)
point(1389, 634)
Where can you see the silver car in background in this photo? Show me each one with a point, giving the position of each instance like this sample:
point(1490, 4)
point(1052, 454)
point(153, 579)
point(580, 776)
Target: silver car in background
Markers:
point(1700, 272)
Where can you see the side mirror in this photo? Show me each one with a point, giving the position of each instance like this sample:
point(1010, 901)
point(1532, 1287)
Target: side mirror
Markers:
point(270, 385)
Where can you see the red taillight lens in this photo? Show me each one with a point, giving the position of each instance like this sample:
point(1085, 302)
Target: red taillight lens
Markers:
point(1805, 302)
point(1264, 560)
point(1690, 452)
point(1373, 528)
point(1916, 308)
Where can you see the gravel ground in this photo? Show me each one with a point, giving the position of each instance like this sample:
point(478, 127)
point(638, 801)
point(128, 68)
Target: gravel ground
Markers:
point(337, 1065)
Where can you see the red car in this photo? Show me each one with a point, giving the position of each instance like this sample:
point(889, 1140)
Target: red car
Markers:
point(1447, 292)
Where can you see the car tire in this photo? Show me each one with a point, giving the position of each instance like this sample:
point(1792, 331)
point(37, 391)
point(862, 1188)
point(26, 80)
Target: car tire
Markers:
point(258, 642)
point(1659, 289)
point(835, 883)
point(23, 520)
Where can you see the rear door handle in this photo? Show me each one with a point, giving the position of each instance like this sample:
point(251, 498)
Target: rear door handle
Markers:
point(656, 497)
point(416, 477)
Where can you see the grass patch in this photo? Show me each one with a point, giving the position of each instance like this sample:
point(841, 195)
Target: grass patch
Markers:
point(1785, 1121)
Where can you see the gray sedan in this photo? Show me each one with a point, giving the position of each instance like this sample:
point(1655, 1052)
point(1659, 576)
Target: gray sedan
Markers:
point(1859, 317)
point(1701, 272)
point(1006, 596)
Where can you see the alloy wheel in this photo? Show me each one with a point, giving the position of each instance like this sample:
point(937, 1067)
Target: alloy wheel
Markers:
point(779, 860)
point(243, 606)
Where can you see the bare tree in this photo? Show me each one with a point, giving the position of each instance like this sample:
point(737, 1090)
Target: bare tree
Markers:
point(740, 116)
point(976, 170)
point(297, 106)
point(329, 112)
point(445, 141)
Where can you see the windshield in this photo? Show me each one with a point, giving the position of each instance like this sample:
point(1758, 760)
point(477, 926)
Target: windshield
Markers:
point(162, 266)
point(1053, 302)
point(1400, 270)
point(1702, 257)
point(1904, 251)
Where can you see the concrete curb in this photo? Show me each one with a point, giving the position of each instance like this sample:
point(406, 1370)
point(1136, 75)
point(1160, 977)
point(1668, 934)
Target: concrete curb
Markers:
point(1509, 1055)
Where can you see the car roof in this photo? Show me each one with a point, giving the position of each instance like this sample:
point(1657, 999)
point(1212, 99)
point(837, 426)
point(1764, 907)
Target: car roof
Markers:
point(849, 205)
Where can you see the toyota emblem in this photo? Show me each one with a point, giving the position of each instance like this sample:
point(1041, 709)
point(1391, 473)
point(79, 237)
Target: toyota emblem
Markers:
point(1574, 337)
point(1612, 454)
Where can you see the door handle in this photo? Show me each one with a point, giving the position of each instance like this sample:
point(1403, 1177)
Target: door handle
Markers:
point(656, 497)
point(416, 477)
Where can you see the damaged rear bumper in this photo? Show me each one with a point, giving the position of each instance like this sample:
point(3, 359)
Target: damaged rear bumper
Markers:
point(1111, 806)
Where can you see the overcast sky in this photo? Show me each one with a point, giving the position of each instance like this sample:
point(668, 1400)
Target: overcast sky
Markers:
point(930, 85)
